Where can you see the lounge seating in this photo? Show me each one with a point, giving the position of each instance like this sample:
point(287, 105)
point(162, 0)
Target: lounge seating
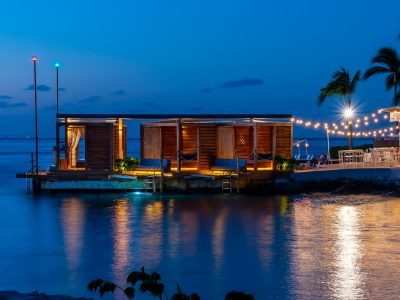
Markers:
point(153, 164)
point(189, 156)
point(261, 156)
point(229, 165)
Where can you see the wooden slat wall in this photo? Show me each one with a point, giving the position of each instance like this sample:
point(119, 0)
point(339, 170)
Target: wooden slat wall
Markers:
point(151, 142)
point(244, 141)
point(189, 140)
point(99, 145)
point(208, 146)
point(284, 141)
point(225, 142)
point(264, 138)
point(169, 142)
point(124, 135)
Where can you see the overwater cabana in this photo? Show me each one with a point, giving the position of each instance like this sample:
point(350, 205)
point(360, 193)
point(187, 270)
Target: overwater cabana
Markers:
point(191, 142)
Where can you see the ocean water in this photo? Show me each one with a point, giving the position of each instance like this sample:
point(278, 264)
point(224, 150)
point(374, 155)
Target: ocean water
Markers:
point(275, 247)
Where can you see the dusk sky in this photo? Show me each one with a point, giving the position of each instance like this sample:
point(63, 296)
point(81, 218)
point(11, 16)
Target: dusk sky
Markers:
point(206, 56)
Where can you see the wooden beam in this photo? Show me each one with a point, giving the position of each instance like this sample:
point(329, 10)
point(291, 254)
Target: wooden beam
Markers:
point(198, 147)
point(120, 145)
point(273, 143)
point(255, 150)
point(178, 146)
point(57, 146)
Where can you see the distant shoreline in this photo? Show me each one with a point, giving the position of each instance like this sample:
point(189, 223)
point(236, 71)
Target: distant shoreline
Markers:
point(15, 295)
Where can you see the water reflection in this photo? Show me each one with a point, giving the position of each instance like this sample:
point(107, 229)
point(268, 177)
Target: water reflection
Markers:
point(319, 247)
point(151, 235)
point(348, 277)
point(122, 233)
point(218, 238)
point(73, 221)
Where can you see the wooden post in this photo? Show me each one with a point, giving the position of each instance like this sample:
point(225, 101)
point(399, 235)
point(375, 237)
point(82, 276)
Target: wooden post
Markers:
point(161, 173)
point(198, 147)
point(273, 146)
point(237, 174)
point(57, 146)
point(178, 146)
point(120, 144)
point(255, 150)
point(66, 142)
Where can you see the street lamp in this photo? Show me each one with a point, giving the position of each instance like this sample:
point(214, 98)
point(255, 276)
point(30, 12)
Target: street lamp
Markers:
point(348, 113)
point(57, 66)
point(34, 59)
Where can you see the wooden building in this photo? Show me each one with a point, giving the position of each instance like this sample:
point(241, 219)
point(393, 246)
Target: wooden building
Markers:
point(192, 142)
point(89, 144)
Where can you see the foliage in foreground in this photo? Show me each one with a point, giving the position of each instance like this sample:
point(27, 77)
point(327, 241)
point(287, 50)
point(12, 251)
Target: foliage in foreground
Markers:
point(150, 283)
point(126, 164)
point(285, 164)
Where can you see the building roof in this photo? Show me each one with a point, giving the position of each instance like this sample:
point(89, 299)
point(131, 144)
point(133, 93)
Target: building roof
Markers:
point(176, 116)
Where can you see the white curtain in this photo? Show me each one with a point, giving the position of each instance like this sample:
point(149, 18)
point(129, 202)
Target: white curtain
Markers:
point(74, 135)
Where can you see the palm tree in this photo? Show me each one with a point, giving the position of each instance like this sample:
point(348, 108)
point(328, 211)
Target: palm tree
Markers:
point(387, 61)
point(343, 86)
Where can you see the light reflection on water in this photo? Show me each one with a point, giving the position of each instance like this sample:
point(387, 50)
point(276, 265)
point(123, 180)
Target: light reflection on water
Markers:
point(347, 278)
point(320, 247)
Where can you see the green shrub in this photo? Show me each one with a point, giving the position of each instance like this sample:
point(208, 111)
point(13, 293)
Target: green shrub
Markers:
point(285, 164)
point(126, 164)
point(143, 282)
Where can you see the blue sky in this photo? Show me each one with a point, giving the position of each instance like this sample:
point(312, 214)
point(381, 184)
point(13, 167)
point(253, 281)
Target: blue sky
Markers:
point(187, 56)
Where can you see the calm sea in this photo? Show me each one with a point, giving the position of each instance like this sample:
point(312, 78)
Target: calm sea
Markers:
point(304, 247)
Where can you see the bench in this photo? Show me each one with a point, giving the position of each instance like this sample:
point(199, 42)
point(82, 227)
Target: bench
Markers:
point(153, 164)
point(229, 165)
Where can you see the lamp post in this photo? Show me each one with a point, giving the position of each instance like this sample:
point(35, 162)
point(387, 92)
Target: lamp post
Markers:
point(34, 59)
point(348, 114)
point(327, 139)
point(57, 65)
point(306, 145)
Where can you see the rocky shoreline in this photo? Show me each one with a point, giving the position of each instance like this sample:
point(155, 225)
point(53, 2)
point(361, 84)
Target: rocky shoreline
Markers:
point(15, 295)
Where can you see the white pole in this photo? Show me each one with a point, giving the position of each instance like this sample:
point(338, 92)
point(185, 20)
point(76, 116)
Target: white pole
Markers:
point(327, 139)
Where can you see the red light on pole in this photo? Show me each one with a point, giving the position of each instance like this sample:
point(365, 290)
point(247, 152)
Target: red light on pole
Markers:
point(34, 58)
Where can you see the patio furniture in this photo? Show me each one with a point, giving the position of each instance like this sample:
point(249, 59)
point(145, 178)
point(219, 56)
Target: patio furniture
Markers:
point(351, 158)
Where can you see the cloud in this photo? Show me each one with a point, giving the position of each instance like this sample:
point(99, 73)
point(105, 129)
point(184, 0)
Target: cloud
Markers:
point(91, 99)
point(5, 97)
point(4, 104)
point(240, 83)
point(40, 87)
point(118, 93)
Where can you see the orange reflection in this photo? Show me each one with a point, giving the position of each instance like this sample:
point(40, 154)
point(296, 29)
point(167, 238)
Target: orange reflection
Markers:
point(151, 240)
point(265, 239)
point(122, 239)
point(73, 219)
point(218, 238)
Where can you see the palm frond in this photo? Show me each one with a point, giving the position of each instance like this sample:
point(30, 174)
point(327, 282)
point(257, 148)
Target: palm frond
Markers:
point(389, 58)
point(340, 85)
point(354, 81)
point(389, 81)
point(374, 71)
